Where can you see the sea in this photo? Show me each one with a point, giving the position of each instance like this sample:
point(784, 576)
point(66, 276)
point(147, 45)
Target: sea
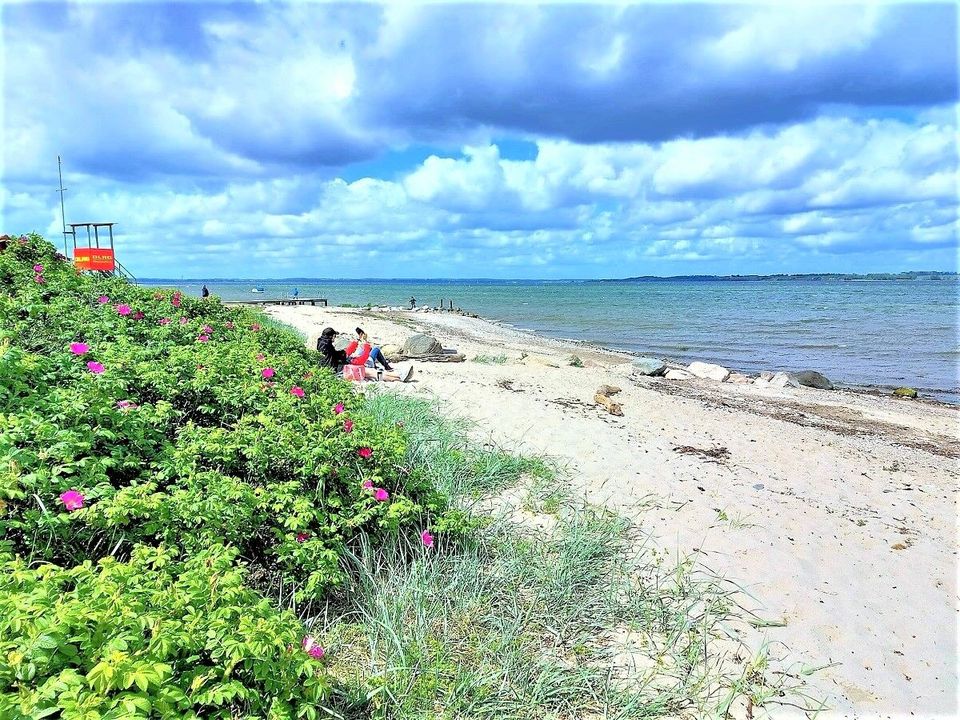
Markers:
point(865, 333)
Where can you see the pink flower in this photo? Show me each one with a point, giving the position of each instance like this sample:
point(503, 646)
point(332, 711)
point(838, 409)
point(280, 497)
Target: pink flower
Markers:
point(95, 367)
point(138, 315)
point(364, 452)
point(79, 348)
point(367, 485)
point(312, 648)
point(296, 390)
point(228, 325)
point(303, 537)
point(207, 330)
point(338, 408)
point(38, 269)
point(184, 321)
point(381, 495)
point(255, 327)
point(103, 299)
point(426, 538)
point(203, 338)
point(268, 372)
point(123, 309)
point(164, 321)
point(175, 299)
point(127, 405)
point(39, 279)
point(261, 357)
point(348, 426)
point(72, 500)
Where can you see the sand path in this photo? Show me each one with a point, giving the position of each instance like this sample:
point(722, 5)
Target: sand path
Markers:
point(835, 510)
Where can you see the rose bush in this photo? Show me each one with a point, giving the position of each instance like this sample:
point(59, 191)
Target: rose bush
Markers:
point(138, 424)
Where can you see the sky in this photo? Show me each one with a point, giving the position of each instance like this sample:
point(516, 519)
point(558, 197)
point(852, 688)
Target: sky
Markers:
point(268, 140)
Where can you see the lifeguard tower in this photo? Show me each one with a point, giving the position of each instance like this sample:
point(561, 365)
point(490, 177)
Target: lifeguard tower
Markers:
point(93, 256)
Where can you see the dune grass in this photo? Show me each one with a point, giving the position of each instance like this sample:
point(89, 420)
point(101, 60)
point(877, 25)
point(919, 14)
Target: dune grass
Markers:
point(569, 618)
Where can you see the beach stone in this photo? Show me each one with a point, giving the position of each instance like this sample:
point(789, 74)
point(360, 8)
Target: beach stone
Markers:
point(708, 371)
point(811, 378)
point(421, 344)
point(391, 352)
point(765, 376)
point(607, 390)
point(905, 392)
point(677, 374)
point(782, 380)
point(648, 366)
point(738, 379)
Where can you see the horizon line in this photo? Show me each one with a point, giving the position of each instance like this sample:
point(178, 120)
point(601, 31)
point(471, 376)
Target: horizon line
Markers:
point(562, 279)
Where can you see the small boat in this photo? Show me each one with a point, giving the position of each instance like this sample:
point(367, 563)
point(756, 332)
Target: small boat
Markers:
point(257, 289)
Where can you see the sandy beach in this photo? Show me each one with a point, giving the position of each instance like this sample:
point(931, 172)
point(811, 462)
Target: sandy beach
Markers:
point(835, 510)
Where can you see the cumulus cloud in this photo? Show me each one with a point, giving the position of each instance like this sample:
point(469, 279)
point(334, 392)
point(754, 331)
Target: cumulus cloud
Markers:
point(220, 134)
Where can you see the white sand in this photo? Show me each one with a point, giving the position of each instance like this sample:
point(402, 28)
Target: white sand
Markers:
point(841, 506)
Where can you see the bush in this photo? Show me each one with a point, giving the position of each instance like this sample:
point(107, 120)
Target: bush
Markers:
point(172, 464)
point(151, 637)
point(198, 424)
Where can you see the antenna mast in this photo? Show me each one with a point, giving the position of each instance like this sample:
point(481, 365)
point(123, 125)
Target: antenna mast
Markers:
point(63, 214)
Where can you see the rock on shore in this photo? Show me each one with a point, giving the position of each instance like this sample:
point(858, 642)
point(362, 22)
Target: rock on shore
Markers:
point(420, 344)
point(708, 371)
point(648, 366)
point(811, 378)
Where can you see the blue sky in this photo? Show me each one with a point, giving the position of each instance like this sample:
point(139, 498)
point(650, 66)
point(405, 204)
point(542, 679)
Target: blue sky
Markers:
point(503, 141)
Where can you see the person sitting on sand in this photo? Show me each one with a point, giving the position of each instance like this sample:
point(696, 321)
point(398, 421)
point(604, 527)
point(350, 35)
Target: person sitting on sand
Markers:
point(337, 359)
point(204, 292)
point(376, 354)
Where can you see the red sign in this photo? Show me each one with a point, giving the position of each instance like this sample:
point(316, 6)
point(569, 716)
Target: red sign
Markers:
point(93, 259)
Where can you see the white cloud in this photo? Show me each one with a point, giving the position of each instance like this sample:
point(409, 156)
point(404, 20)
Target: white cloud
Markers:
point(218, 132)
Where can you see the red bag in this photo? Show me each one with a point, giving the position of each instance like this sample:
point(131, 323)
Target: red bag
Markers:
point(353, 373)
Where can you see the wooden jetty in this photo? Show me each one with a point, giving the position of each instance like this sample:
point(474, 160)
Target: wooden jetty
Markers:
point(284, 301)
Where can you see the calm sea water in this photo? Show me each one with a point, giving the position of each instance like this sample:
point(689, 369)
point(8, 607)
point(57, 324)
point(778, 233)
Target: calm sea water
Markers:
point(884, 333)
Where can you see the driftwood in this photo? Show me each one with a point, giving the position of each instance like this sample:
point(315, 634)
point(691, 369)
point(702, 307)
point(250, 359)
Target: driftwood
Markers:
point(612, 407)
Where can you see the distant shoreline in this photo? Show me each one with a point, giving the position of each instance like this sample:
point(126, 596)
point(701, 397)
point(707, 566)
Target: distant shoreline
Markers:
point(911, 275)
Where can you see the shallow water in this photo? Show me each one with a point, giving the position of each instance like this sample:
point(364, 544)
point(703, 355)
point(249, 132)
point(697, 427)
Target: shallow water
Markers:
point(885, 333)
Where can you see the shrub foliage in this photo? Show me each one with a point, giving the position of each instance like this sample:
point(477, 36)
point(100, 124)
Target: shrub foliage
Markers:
point(166, 463)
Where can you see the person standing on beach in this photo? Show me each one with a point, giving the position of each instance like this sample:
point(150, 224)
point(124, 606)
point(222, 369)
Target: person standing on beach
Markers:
point(204, 292)
point(413, 302)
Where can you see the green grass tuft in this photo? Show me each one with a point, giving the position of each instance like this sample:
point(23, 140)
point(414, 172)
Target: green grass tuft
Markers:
point(490, 359)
